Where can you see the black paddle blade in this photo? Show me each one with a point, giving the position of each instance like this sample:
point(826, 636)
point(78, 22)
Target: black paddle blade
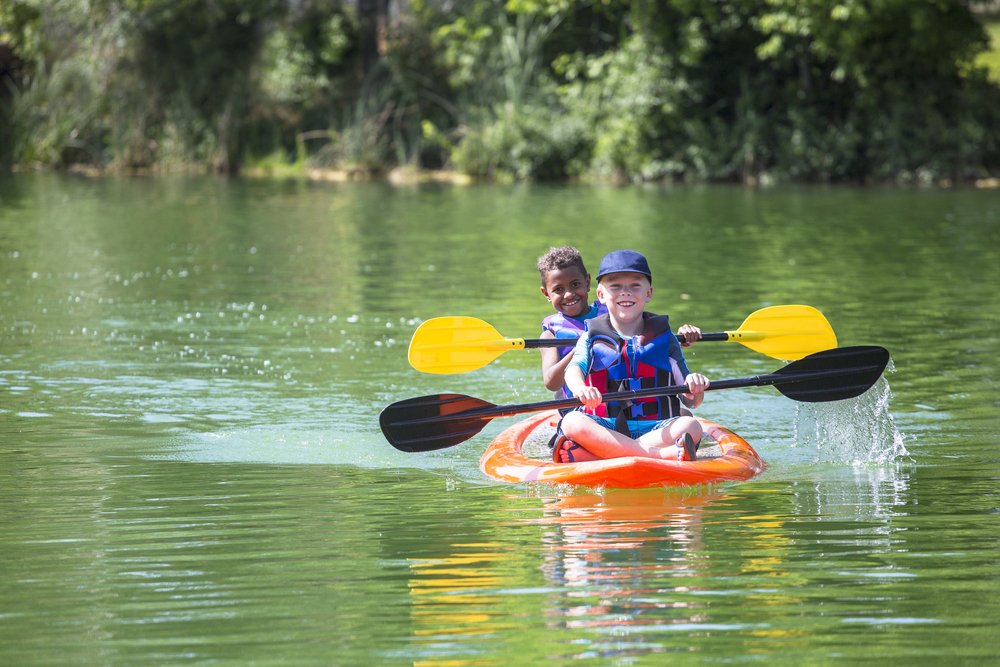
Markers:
point(833, 375)
point(414, 425)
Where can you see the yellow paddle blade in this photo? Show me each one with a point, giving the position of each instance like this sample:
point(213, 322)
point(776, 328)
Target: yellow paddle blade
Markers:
point(786, 332)
point(457, 344)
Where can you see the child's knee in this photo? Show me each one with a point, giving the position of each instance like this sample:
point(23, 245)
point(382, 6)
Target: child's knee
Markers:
point(688, 425)
point(572, 423)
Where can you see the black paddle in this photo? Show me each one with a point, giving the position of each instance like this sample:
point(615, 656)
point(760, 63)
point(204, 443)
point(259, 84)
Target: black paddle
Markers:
point(441, 420)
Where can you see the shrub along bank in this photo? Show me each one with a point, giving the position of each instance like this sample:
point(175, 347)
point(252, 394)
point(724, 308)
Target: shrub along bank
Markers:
point(629, 90)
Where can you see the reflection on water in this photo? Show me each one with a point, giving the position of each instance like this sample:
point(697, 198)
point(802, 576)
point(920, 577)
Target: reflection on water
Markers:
point(624, 560)
point(614, 567)
point(755, 569)
point(455, 599)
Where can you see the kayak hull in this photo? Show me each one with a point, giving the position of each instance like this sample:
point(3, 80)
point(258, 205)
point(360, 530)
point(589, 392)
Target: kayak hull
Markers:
point(504, 460)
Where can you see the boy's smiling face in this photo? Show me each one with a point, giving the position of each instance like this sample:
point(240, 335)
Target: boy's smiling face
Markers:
point(567, 290)
point(625, 294)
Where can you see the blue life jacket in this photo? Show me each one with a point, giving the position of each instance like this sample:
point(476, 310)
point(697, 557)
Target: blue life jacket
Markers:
point(651, 359)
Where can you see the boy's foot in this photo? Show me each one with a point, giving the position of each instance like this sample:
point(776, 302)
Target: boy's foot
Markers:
point(687, 450)
point(567, 451)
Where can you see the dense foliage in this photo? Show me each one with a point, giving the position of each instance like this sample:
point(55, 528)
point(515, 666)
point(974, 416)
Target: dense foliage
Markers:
point(631, 90)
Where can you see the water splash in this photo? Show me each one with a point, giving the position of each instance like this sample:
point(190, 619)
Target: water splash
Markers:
point(858, 431)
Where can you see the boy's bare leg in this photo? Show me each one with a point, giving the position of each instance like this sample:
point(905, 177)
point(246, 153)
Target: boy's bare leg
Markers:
point(603, 443)
point(664, 440)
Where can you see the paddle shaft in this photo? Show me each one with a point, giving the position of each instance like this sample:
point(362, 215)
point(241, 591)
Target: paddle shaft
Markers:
point(555, 404)
point(532, 343)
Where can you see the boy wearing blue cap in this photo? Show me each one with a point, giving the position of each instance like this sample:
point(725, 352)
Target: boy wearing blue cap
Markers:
point(629, 349)
point(566, 285)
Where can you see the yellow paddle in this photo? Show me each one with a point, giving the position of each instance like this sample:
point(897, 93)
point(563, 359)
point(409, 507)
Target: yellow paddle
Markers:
point(459, 344)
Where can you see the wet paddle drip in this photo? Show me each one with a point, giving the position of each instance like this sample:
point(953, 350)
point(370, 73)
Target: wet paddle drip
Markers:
point(859, 430)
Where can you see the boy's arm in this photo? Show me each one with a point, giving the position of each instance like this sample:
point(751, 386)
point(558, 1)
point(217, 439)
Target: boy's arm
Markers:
point(576, 375)
point(553, 366)
point(589, 396)
point(697, 384)
point(674, 350)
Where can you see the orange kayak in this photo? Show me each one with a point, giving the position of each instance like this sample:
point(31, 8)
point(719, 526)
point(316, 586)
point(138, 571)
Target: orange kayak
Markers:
point(731, 458)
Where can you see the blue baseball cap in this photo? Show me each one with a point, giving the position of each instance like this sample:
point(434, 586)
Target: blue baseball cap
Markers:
point(624, 261)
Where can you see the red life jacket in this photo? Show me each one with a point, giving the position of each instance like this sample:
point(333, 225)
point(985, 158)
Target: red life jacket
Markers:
point(651, 359)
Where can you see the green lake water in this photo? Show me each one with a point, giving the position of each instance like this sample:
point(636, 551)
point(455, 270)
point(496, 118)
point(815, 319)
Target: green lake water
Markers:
point(191, 372)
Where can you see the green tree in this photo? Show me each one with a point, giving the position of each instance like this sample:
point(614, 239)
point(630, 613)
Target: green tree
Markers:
point(744, 90)
point(813, 90)
point(197, 60)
